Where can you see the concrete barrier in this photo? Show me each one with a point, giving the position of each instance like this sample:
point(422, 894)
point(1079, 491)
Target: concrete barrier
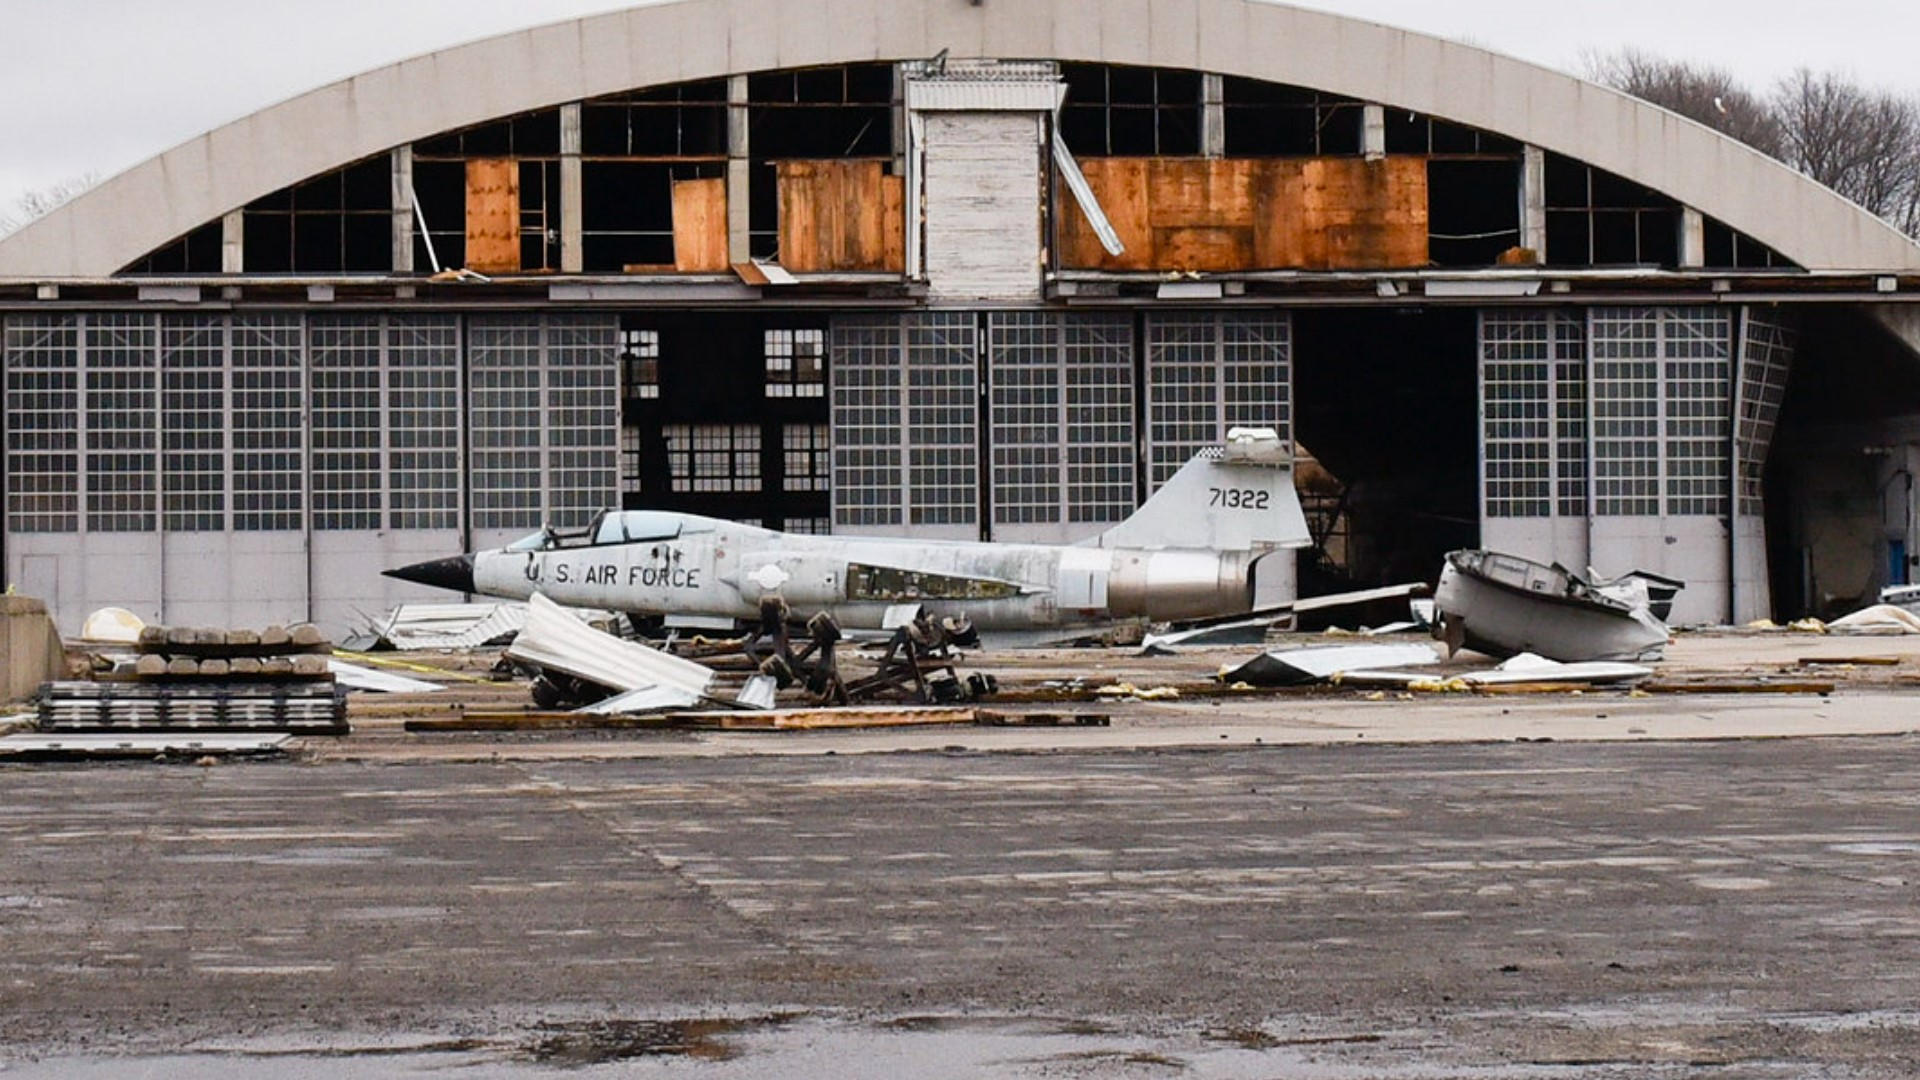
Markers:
point(30, 645)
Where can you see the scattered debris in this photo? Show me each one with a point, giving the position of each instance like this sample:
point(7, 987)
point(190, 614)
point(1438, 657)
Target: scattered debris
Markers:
point(356, 677)
point(1527, 670)
point(117, 745)
point(570, 653)
point(1234, 629)
point(449, 626)
point(1318, 663)
point(1902, 596)
point(1737, 686)
point(1503, 604)
point(1849, 661)
point(917, 664)
point(1128, 690)
point(1878, 619)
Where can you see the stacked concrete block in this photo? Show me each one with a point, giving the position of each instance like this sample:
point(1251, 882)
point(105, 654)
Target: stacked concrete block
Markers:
point(186, 678)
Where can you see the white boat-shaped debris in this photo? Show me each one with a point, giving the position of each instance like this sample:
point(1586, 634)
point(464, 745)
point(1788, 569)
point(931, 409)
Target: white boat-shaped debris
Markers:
point(1502, 604)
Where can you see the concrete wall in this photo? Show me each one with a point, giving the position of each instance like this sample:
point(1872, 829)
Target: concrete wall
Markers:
point(202, 180)
point(238, 579)
point(31, 647)
point(1695, 550)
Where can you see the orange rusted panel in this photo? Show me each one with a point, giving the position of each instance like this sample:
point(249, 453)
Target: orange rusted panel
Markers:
point(1120, 184)
point(700, 226)
point(493, 215)
point(1253, 214)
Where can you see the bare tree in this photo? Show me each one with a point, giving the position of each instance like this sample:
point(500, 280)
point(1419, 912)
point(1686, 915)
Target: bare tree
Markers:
point(42, 201)
point(1698, 92)
point(1863, 143)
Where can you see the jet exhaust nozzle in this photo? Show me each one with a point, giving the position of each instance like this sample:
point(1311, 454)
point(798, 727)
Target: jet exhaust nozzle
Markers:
point(455, 573)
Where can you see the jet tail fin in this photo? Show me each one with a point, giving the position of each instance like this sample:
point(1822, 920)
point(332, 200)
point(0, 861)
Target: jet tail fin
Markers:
point(1238, 497)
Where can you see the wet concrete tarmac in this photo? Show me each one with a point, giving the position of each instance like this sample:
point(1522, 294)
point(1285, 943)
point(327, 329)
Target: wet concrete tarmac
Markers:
point(1723, 908)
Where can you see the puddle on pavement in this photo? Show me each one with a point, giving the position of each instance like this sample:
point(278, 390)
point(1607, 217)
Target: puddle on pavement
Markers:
point(781, 1045)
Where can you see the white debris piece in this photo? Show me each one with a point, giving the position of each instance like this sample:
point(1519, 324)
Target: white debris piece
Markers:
point(1316, 663)
point(1522, 668)
point(1878, 619)
point(112, 626)
point(450, 626)
point(554, 639)
point(355, 677)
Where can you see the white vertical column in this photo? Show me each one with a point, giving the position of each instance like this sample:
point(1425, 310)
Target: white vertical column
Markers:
point(739, 173)
point(403, 209)
point(1373, 131)
point(1213, 115)
point(572, 221)
point(1693, 238)
point(233, 243)
point(1533, 201)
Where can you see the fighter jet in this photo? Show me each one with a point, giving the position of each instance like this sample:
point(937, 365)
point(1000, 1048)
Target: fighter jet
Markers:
point(1193, 550)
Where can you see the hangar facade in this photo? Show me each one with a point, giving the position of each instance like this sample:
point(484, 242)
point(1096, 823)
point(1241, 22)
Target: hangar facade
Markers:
point(955, 269)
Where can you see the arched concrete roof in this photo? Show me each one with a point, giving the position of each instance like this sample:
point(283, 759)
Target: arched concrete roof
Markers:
point(194, 183)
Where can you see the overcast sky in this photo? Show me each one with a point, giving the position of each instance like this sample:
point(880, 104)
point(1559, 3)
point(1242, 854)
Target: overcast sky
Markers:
point(94, 86)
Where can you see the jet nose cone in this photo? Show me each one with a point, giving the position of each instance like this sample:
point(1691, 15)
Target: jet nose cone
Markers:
point(455, 573)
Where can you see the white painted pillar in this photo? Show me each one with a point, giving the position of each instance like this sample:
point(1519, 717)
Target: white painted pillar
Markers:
point(403, 209)
point(1533, 201)
point(572, 188)
point(739, 173)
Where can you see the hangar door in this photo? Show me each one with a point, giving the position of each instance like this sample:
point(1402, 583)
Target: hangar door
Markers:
point(1043, 427)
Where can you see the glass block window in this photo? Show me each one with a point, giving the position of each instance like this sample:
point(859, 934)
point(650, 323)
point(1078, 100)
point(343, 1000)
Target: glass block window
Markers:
point(1207, 373)
point(869, 393)
point(508, 425)
point(268, 428)
point(1029, 417)
point(42, 354)
point(1626, 411)
point(584, 417)
point(1698, 375)
point(119, 418)
point(640, 363)
point(1766, 360)
point(809, 526)
point(1534, 420)
point(1570, 414)
point(796, 363)
point(193, 423)
point(1516, 403)
point(713, 458)
point(423, 422)
point(1062, 413)
point(942, 404)
point(807, 451)
point(348, 428)
point(1662, 404)
point(542, 418)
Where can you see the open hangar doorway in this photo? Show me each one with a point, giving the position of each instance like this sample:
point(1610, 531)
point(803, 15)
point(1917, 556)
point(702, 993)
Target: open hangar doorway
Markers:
point(725, 414)
point(1842, 509)
point(1385, 402)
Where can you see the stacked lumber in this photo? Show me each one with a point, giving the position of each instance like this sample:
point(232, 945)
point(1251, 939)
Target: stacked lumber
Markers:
point(192, 679)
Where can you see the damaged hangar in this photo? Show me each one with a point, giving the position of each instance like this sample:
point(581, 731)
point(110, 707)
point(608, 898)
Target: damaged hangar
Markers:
point(953, 269)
